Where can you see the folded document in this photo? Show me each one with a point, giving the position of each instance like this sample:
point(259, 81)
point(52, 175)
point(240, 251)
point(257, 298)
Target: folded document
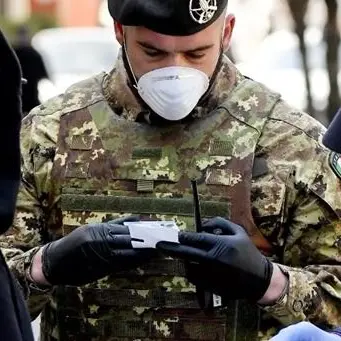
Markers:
point(146, 234)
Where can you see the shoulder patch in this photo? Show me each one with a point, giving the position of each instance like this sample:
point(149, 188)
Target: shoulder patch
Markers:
point(335, 163)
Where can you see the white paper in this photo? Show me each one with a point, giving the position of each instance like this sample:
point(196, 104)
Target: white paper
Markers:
point(216, 301)
point(146, 234)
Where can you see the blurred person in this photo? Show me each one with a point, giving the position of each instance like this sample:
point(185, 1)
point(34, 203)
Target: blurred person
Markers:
point(14, 319)
point(32, 66)
point(305, 331)
point(332, 138)
point(128, 142)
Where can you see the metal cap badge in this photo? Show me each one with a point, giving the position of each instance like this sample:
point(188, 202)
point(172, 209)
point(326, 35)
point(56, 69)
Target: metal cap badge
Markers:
point(202, 11)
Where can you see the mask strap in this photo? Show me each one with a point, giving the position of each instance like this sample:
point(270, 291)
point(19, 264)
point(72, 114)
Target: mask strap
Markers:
point(214, 76)
point(223, 33)
point(128, 61)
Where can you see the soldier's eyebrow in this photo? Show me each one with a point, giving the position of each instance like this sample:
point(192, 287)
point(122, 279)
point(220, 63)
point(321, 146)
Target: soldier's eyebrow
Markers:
point(156, 49)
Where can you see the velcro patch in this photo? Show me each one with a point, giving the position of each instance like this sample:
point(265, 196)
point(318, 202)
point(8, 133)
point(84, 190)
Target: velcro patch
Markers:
point(335, 163)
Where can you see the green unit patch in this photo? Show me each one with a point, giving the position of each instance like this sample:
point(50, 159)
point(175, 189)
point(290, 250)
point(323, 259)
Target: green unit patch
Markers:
point(335, 163)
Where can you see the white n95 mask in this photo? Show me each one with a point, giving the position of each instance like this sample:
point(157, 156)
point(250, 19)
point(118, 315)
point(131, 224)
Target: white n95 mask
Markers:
point(173, 92)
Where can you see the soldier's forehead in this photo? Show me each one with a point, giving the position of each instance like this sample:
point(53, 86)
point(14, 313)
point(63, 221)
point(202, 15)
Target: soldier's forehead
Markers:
point(202, 40)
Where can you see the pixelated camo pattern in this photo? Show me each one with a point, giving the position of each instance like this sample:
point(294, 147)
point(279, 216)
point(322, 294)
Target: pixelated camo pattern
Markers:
point(85, 159)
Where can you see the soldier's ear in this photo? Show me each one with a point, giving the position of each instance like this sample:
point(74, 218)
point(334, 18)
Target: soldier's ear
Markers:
point(230, 21)
point(119, 32)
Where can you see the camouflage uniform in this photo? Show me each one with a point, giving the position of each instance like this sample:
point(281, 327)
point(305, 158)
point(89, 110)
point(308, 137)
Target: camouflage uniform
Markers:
point(295, 202)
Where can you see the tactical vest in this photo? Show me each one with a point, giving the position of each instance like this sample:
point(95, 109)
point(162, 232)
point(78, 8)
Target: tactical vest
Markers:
point(107, 167)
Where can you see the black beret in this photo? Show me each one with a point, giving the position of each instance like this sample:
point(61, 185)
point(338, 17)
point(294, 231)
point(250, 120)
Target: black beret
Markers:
point(332, 138)
point(170, 17)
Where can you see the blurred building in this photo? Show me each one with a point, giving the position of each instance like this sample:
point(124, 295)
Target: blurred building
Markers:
point(17, 10)
point(78, 12)
point(43, 6)
point(67, 12)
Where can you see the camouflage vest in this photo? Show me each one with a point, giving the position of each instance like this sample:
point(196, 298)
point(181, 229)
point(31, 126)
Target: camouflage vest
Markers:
point(109, 167)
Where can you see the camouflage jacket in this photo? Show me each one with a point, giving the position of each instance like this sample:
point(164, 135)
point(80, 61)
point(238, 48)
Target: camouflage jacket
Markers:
point(300, 219)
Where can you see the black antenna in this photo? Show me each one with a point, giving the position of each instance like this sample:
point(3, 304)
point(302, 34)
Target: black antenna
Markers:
point(205, 298)
point(197, 213)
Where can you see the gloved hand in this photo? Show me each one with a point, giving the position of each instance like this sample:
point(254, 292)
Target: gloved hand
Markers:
point(304, 331)
point(90, 253)
point(10, 98)
point(228, 264)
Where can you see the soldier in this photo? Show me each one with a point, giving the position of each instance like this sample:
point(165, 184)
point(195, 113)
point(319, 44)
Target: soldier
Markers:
point(128, 142)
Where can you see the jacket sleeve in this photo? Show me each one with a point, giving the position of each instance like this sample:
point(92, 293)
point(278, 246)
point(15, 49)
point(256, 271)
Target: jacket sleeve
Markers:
point(311, 237)
point(34, 207)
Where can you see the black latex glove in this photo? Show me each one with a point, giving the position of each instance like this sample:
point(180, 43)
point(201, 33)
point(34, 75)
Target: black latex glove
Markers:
point(227, 264)
point(91, 252)
point(10, 98)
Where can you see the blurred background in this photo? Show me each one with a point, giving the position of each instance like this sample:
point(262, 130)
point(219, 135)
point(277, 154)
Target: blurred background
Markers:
point(292, 46)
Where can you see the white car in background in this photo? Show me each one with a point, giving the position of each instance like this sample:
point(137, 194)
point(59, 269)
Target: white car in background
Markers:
point(73, 54)
point(277, 63)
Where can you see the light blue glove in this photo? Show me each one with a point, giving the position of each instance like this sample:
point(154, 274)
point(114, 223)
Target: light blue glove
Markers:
point(304, 331)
